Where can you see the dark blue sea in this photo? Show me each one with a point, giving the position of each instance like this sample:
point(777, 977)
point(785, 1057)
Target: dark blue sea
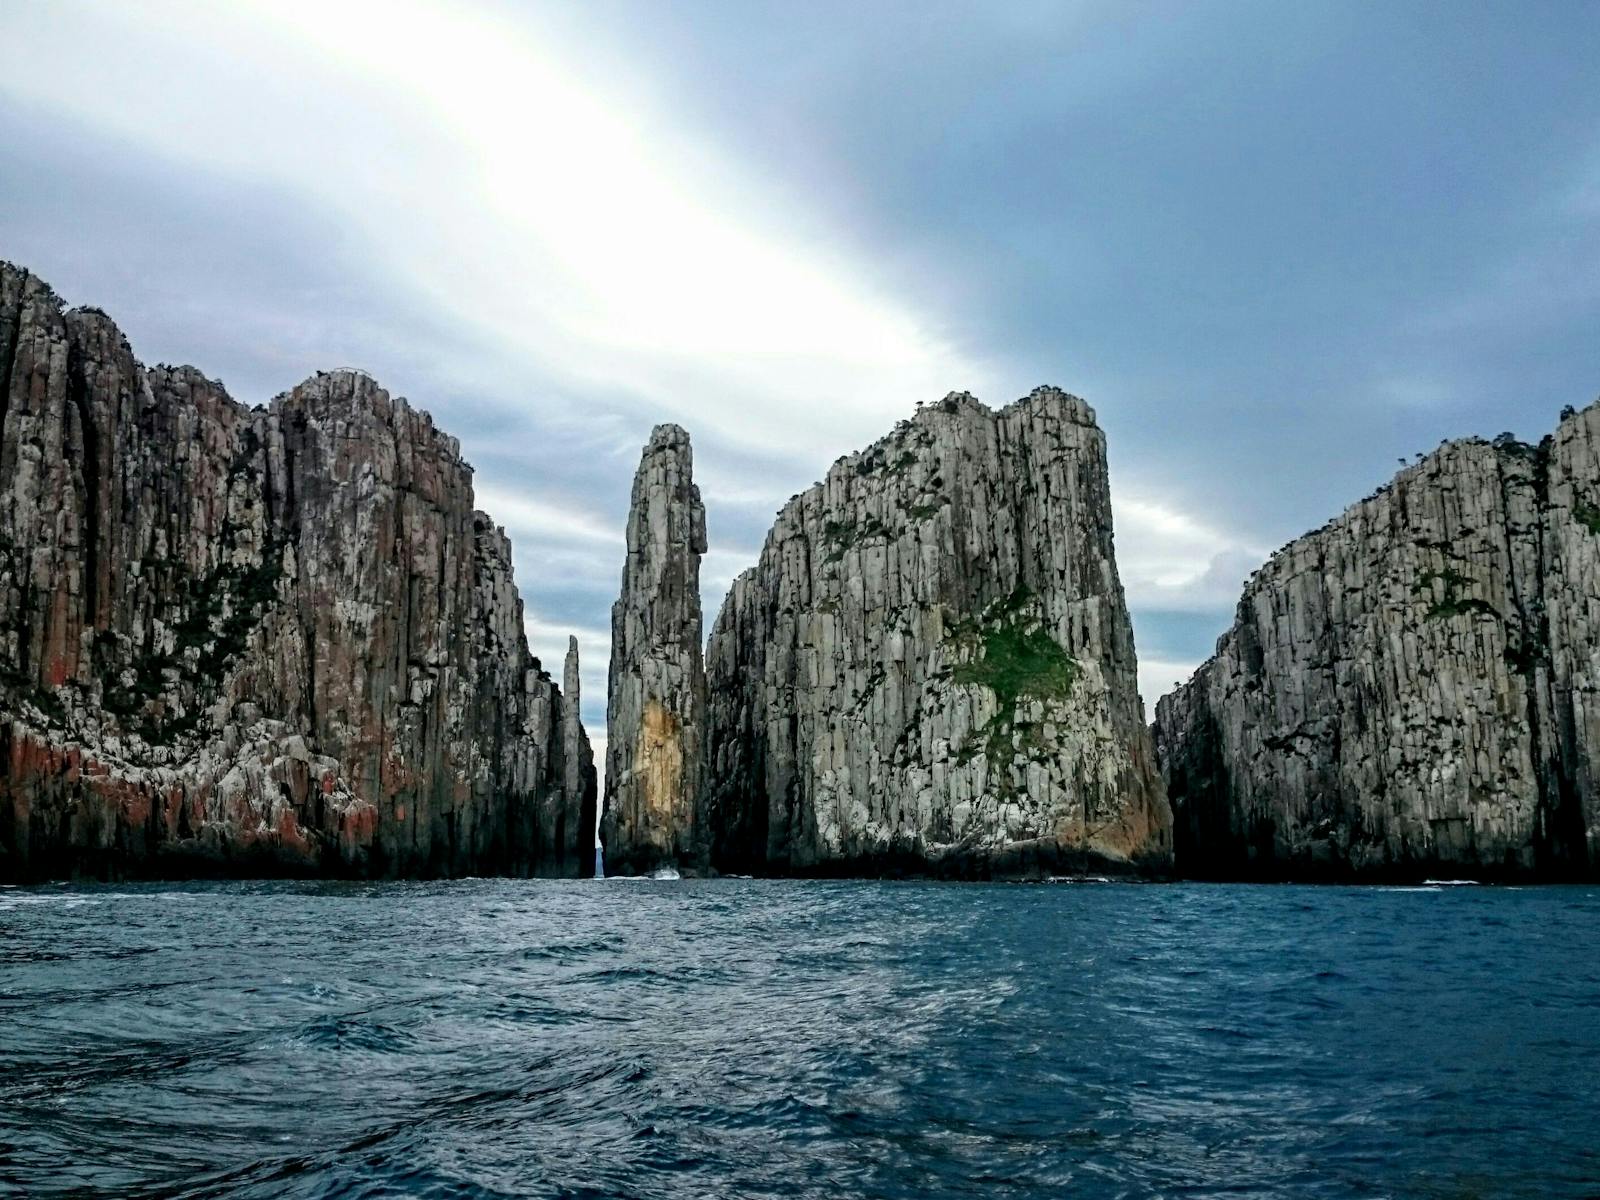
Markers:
point(828, 1039)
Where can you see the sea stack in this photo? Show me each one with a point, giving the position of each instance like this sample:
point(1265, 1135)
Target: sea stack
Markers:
point(253, 640)
point(1414, 688)
point(578, 845)
point(931, 667)
point(656, 700)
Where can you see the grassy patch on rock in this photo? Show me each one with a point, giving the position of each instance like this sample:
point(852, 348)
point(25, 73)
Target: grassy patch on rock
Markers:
point(1009, 651)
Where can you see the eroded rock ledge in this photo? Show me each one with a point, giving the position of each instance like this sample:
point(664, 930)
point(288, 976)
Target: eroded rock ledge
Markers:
point(247, 641)
point(1414, 688)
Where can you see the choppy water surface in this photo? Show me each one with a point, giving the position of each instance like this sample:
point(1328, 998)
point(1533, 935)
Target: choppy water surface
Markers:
point(752, 1038)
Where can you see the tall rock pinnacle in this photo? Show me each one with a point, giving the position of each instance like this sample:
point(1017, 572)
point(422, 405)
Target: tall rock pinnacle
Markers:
point(578, 759)
point(655, 712)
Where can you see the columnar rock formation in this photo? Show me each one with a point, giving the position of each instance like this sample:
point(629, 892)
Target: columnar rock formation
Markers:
point(580, 782)
point(655, 713)
point(1414, 688)
point(932, 667)
point(248, 640)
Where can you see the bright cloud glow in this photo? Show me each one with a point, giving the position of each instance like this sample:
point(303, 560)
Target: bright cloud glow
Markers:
point(1171, 561)
point(654, 263)
point(573, 226)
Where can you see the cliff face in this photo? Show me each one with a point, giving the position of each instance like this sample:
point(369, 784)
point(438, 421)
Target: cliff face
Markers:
point(242, 640)
point(1412, 689)
point(655, 711)
point(932, 667)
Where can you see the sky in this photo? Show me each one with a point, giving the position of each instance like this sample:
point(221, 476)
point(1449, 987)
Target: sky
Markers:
point(1278, 247)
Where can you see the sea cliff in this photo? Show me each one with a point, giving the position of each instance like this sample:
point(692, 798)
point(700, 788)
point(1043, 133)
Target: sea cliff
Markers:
point(1412, 689)
point(244, 640)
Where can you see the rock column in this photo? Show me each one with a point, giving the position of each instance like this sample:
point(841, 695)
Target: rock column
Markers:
point(655, 714)
point(578, 760)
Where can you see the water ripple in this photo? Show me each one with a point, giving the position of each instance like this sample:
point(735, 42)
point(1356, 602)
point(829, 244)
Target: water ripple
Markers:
point(830, 1039)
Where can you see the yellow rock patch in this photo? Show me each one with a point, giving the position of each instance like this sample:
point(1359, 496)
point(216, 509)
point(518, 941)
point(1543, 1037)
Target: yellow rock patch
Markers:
point(659, 768)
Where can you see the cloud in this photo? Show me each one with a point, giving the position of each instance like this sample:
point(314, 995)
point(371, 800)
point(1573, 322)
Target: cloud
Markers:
point(523, 513)
point(569, 225)
point(1171, 561)
point(1158, 676)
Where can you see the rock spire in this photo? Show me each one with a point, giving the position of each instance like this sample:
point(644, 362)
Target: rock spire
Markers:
point(578, 759)
point(656, 702)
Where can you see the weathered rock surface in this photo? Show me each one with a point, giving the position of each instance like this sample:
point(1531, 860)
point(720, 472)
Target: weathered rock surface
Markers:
point(931, 667)
point(1412, 689)
point(240, 640)
point(655, 711)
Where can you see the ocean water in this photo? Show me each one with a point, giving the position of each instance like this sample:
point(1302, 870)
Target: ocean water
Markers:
point(772, 1038)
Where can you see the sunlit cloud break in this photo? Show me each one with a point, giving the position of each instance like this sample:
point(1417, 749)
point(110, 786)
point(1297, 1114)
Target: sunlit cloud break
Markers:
point(576, 227)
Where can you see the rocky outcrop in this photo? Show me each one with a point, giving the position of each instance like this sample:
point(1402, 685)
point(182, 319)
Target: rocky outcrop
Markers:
point(931, 668)
point(655, 710)
point(1412, 689)
point(241, 640)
